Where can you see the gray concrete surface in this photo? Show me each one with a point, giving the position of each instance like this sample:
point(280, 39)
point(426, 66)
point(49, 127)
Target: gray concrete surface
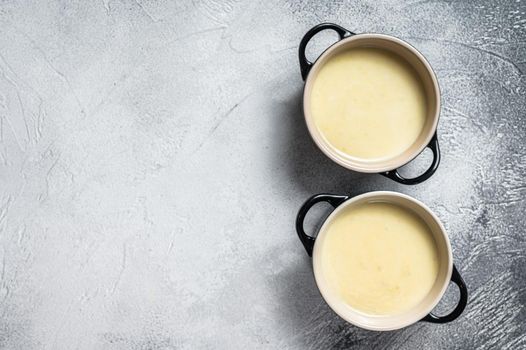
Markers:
point(153, 157)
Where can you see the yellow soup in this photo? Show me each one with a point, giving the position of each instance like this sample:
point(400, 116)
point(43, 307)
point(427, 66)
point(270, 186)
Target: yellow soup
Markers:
point(379, 258)
point(368, 103)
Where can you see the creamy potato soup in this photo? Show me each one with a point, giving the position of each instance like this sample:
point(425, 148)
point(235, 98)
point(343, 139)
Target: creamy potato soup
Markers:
point(379, 258)
point(368, 103)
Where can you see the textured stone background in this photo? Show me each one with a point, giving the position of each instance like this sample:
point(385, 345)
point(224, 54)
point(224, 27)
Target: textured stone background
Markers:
point(153, 157)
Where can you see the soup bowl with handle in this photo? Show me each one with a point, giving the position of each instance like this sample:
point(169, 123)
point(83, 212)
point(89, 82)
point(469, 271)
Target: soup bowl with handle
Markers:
point(428, 136)
point(447, 272)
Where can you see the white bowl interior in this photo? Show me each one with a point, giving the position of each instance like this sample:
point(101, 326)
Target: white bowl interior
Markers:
point(430, 85)
point(384, 323)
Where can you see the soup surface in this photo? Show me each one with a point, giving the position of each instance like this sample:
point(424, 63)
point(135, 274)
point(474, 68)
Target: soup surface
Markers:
point(379, 258)
point(368, 103)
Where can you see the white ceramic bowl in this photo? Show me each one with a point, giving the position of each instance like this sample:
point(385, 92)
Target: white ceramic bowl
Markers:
point(427, 138)
point(447, 271)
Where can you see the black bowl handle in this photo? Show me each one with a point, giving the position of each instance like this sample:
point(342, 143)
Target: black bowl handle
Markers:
point(457, 279)
point(333, 199)
point(433, 146)
point(305, 64)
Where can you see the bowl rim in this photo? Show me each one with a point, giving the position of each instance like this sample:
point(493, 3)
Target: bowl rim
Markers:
point(337, 307)
point(330, 151)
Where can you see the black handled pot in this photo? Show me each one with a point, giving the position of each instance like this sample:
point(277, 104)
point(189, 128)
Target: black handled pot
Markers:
point(449, 273)
point(429, 139)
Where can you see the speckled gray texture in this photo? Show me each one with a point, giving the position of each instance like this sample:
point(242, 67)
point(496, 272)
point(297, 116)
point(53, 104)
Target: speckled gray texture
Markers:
point(153, 157)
